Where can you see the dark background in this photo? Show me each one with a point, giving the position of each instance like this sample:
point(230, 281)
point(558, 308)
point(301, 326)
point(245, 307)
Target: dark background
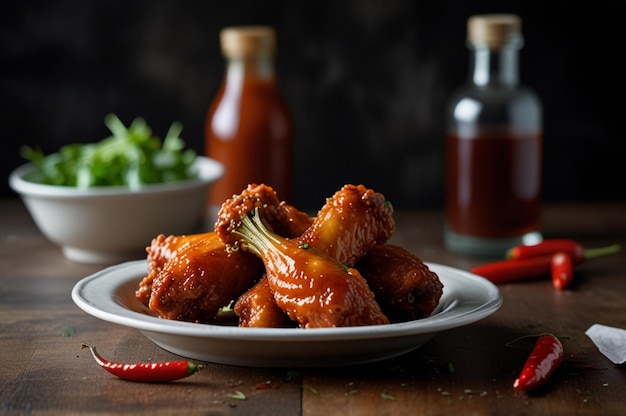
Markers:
point(367, 82)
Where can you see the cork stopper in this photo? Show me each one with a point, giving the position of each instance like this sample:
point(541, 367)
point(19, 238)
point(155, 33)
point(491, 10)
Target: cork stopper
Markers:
point(247, 41)
point(493, 30)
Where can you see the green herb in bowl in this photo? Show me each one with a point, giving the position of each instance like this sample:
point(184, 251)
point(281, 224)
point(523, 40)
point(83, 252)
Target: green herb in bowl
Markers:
point(131, 157)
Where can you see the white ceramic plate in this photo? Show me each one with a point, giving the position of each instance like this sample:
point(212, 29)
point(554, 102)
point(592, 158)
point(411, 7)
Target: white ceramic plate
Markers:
point(110, 295)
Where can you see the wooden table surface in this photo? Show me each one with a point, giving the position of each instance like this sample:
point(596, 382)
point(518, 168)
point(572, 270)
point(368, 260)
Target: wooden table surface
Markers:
point(467, 370)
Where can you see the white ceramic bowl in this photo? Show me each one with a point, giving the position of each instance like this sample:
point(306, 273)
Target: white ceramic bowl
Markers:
point(108, 225)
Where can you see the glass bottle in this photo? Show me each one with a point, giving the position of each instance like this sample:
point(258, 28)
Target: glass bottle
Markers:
point(248, 127)
point(493, 147)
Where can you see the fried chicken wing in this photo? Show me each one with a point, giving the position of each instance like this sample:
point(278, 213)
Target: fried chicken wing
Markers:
point(297, 221)
point(352, 221)
point(284, 219)
point(257, 308)
point(404, 286)
point(311, 287)
point(202, 277)
point(160, 250)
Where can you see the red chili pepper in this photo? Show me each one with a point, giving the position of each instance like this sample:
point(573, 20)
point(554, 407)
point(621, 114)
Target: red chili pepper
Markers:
point(546, 356)
point(534, 261)
point(551, 246)
point(506, 271)
point(562, 269)
point(147, 372)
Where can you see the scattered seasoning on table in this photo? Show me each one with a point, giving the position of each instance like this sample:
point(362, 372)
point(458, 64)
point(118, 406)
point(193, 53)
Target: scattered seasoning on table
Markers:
point(293, 375)
point(237, 395)
point(451, 367)
point(266, 385)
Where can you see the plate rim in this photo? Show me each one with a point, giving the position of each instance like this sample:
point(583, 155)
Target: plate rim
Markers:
point(112, 309)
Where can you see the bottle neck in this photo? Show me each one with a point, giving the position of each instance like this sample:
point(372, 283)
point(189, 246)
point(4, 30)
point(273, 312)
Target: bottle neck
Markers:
point(257, 67)
point(493, 67)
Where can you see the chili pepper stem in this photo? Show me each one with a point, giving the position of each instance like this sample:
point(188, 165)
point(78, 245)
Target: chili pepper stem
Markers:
point(194, 368)
point(94, 353)
point(591, 253)
point(534, 336)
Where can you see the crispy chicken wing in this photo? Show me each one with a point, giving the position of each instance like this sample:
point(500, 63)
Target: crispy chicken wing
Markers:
point(352, 221)
point(404, 286)
point(284, 219)
point(160, 250)
point(202, 277)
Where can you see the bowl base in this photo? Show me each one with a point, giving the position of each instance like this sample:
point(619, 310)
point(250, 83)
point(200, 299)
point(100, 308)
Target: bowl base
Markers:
point(80, 255)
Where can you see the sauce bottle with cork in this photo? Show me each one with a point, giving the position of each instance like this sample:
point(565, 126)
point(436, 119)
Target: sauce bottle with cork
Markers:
point(249, 128)
point(493, 146)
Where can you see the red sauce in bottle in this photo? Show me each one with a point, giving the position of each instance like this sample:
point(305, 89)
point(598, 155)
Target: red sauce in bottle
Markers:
point(248, 127)
point(493, 184)
point(494, 146)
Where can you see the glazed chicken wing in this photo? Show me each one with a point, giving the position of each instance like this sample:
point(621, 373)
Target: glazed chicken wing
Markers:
point(282, 218)
point(200, 279)
point(404, 286)
point(352, 221)
point(257, 307)
point(160, 250)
